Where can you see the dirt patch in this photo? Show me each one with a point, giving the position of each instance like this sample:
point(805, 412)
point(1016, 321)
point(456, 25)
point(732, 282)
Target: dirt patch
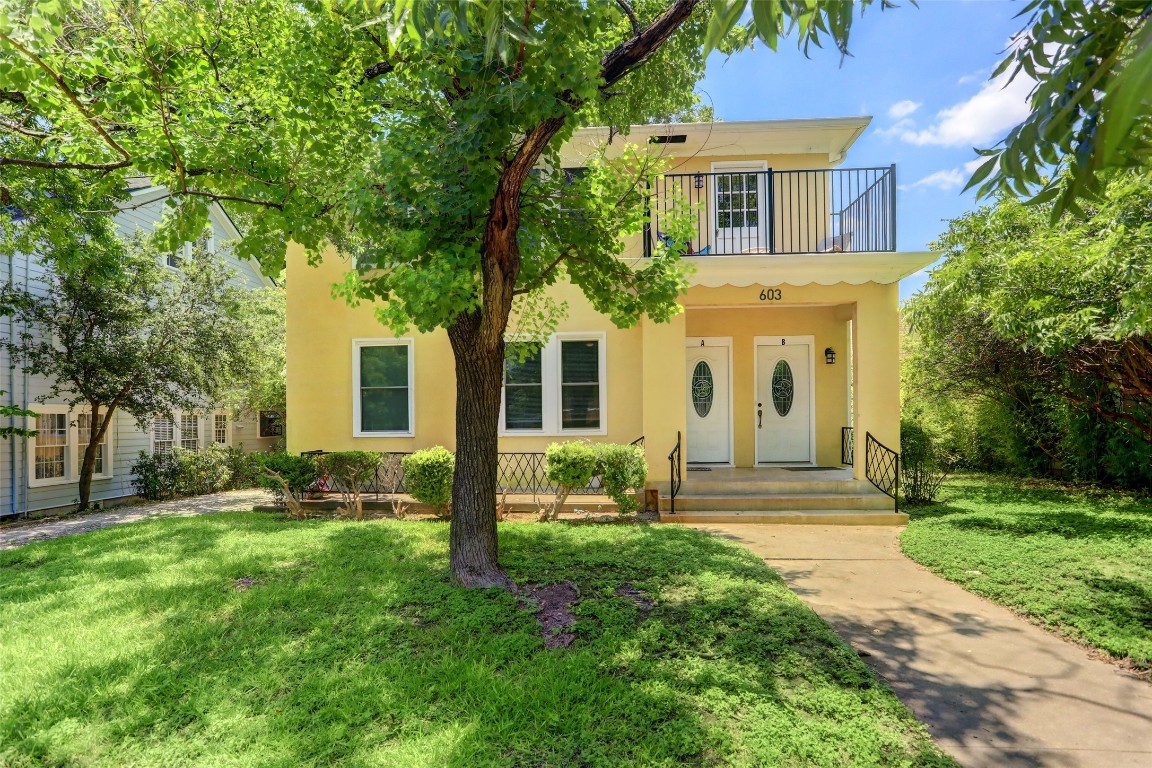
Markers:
point(244, 583)
point(553, 605)
point(644, 603)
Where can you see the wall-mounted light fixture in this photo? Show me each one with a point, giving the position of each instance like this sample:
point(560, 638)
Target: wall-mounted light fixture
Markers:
point(829, 356)
point(698, 182)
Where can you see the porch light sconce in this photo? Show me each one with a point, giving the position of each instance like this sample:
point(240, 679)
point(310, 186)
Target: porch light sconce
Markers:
point(698, 182)
point(829, 356)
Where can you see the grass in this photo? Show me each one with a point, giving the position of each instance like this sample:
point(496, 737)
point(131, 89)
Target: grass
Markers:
point(1074, 561)
point(134, 646)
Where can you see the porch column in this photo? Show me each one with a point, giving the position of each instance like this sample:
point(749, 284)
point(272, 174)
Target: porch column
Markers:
point(876, 357)
point(663, 384)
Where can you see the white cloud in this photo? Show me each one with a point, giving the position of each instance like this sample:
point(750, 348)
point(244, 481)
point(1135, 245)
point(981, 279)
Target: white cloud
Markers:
point(947, 179)
point(902, 109)
point(895, 130)
point(982, 119)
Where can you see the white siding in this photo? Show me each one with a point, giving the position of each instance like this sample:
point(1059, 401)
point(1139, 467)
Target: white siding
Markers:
point(22, 389)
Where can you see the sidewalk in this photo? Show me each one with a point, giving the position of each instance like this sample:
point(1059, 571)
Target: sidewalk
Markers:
point(21, 533)
point(993, 689)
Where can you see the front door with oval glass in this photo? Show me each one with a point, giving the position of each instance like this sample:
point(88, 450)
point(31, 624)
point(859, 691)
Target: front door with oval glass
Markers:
point(783, 401)
point(709, 438)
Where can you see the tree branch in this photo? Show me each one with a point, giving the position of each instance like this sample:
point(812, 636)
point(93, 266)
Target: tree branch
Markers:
point(631, 14)
point(635, 51)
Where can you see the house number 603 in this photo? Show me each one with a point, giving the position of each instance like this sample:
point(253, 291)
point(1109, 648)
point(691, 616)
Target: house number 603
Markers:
point(771, 294)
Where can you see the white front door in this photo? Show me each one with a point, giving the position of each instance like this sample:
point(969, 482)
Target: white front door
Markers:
point(740, 208)
point(784, 400)
point(709, 395)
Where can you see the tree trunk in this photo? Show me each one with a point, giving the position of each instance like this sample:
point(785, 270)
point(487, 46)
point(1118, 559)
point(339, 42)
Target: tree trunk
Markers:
point(97, 427)
point(479, 376)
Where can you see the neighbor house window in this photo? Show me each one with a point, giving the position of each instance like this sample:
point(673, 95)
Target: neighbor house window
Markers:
point(189, 431)
point(220, 428)
point(50, 447)
point(163, 434)
point(83, 435)
point(382, 373)
point(559, 389)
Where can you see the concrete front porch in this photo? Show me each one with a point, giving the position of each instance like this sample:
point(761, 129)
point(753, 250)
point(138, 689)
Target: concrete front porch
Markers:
point(782, 495)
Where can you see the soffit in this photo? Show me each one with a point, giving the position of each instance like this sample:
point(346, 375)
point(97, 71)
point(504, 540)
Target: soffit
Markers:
point(806, 269)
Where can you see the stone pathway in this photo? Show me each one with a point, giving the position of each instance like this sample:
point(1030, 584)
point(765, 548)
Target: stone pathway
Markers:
point(26, 532)
point(993, 689)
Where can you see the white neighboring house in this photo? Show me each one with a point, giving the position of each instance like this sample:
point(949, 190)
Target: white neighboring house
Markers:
point(40, 474)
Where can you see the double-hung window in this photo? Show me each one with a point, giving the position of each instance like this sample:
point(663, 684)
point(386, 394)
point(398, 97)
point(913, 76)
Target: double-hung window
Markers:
point(50, 448)
point(163, 435)
point(189, 431)
point(220, 428)
point(56, 451)
point(559, 389)
point(83, 435)
point(383, 400)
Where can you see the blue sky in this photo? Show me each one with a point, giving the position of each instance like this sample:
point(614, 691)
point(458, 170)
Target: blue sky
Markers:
point(920, 73)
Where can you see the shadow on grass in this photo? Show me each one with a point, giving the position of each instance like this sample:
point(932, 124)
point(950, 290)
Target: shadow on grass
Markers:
point(346, 643)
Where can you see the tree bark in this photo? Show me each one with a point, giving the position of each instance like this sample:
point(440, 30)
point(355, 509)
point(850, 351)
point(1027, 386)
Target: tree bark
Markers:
point(97, 427)
point(473, 549)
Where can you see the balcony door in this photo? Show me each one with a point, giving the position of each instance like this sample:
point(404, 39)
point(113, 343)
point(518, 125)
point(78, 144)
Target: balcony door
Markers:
point(739, 207)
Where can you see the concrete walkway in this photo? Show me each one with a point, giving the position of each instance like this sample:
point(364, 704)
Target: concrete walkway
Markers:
point(18, 534)
point(993, 689)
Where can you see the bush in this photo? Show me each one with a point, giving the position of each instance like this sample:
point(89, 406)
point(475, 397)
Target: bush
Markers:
point(428, 478)
point(623, 470)
point(201, 472)
point(923, 465)
point(569, 465)
point(154, 475)
point(288, 476)
point(350, 471)
point(243, 468)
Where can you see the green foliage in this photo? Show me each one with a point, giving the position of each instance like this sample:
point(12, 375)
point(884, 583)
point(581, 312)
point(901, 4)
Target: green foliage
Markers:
point(180, 472)
point(362, 628)
point(15, 412)
point(623, 470)
point(1077, 562)
point(298, 473)
point(428, 477)
point(572, 464)
point(1040, 337)
point(923, 465)
point(350, 471)
point(1092, 63)
point(263, 387)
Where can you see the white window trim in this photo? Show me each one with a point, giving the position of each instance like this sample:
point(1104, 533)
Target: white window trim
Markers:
point(202, 441)
point(357, 344)
point(551, 387)
point(73, 456)
point(227, 428)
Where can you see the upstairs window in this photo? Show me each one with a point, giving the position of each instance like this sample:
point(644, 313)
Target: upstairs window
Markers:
point(382, 371)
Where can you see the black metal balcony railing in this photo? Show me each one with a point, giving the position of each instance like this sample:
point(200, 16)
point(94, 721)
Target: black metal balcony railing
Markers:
point(850, 210)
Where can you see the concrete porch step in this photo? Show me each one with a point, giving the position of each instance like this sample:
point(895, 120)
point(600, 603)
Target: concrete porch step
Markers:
point(785, 517)
point(702, 483)
point(778, 502)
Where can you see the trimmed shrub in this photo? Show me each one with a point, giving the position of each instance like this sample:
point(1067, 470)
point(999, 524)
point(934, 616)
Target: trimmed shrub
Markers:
point(154, 475)
point(201, 472)
point(288, 476)
point(243, 468)
point(923, 465)
point(428, 478)
point(569, 465)
point(350, 471)
point(623, 471)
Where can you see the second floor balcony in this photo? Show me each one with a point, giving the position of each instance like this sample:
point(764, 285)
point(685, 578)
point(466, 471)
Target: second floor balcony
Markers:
point(741, 211)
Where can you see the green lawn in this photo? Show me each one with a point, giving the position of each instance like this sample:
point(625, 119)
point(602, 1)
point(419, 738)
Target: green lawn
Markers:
point(133, 646)
point(1079, 563)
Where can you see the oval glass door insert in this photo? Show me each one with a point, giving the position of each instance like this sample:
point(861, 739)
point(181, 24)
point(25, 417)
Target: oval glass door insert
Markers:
point(782, 387)
point(702, 389)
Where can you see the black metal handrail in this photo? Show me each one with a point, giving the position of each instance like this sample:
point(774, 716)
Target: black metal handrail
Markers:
point(849, 210)
point(882, 467)
point(674, 479)
point(847, 445)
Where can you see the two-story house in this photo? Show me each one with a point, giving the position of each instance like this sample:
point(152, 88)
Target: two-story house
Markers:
point(773, 395)
point(39, 474)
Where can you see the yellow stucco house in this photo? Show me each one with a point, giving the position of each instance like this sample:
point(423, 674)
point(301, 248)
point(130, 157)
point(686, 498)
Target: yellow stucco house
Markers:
point(748, 402)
